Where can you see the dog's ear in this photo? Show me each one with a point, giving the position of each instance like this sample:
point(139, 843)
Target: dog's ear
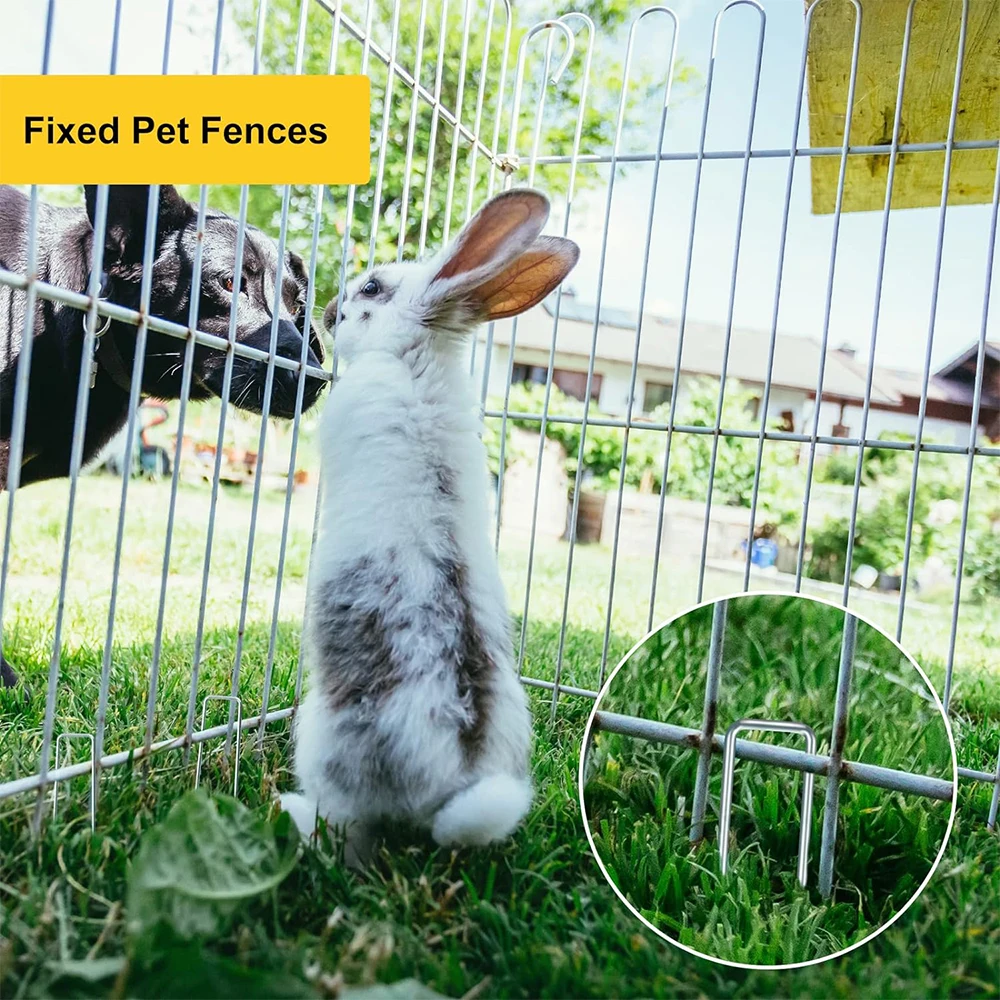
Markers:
point(297, 269)
point(125, 230)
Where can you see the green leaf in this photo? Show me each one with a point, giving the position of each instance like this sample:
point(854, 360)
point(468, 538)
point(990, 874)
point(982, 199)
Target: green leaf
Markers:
point(207, 857)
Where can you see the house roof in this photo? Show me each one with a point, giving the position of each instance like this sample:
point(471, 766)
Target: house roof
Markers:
point(947, 384)
point(796, 359)
point(970, 354)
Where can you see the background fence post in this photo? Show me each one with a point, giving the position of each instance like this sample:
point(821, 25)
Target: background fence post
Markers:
point(709, 719)
point(838, 739)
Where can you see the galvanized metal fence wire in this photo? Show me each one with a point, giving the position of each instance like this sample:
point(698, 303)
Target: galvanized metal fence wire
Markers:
point(494, 140)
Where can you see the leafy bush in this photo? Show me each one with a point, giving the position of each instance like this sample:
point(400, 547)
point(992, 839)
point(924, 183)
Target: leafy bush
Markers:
point(839, 468)
point(879, 537)
point(982, 561)
point(491, 441)
point(690, 454)
point(602, 451)
point(880, 533)
point(982, 549)
point(878, 464)
point(735, 462)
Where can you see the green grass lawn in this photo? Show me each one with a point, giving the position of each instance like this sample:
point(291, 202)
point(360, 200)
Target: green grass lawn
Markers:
point(533, 917)
point(780, 662)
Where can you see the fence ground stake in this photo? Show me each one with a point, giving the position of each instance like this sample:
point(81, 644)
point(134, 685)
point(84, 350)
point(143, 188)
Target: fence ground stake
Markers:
point(991, 822)
point(838, 740)
point(63, 740)
point(232, 700)
point(728, 769)
point(709, 719)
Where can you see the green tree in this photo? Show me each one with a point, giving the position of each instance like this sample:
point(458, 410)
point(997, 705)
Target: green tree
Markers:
point(400, 210)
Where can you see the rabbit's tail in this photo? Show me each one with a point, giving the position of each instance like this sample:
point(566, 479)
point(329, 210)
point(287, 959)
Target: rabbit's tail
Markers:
point(486, 811)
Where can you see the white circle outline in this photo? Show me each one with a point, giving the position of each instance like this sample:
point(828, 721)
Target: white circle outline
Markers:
point(812, 961)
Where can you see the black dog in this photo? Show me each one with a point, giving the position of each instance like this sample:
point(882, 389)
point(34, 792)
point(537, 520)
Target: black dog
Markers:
point(65, 244)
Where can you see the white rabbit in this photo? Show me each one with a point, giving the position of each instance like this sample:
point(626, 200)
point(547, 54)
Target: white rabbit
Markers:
point(414, 710)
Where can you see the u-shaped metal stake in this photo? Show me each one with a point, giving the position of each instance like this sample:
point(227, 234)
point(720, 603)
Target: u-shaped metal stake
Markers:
point(62, 741)
point(233, 700)
point(728, 770)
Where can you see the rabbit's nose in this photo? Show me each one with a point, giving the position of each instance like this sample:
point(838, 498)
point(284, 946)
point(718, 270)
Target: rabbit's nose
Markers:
point(330, 315)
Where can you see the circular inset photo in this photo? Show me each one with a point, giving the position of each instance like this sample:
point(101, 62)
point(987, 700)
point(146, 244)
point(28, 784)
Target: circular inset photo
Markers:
point(768, 780)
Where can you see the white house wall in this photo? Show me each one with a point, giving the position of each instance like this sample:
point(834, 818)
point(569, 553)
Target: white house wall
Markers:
point(616, 378)
point(888, 421)
point(935, 429)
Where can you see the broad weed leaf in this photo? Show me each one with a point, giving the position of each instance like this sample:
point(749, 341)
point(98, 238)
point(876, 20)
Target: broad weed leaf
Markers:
point(203, 861)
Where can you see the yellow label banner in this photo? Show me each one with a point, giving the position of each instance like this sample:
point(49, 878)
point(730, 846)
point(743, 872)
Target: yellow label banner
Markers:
point(184, 129)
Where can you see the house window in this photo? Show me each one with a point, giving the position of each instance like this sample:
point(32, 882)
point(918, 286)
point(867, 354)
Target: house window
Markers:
point(573, 383)
point(656, 394)
point(528, 373)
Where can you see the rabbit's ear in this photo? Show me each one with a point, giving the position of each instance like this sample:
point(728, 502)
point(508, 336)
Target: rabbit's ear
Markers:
point(528, 279)
point(503, 228)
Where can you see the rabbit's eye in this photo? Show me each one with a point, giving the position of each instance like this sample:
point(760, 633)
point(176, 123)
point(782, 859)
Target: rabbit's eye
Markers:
point(371, 287)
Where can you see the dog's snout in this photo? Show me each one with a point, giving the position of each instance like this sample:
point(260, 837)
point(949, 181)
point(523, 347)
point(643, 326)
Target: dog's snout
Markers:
point(249, 381)
point(286, 381)
point(289, 343)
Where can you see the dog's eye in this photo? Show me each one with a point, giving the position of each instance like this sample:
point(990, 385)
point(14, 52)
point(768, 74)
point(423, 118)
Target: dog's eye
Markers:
point(371, 287)
point(228, 284)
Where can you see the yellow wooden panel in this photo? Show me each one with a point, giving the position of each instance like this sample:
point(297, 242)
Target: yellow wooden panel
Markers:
point(930, 77)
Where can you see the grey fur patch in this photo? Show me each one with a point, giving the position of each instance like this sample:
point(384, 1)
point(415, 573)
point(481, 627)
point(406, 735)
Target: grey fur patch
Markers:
point(362, 626)
point(353, 636)
point(472, 663)
point(417, 355)
point(381, 766)
point(454, 316)
point(445, 480)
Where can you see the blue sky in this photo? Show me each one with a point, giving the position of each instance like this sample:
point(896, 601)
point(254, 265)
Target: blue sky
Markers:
point(912, 236)
point(82, 42)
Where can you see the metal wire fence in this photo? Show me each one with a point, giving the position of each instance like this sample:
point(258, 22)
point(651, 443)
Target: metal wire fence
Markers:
point(492, 142)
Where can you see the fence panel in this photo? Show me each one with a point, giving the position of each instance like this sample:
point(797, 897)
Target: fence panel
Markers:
point(477, 126)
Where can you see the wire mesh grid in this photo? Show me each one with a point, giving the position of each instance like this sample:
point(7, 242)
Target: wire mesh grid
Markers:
point(493, 141)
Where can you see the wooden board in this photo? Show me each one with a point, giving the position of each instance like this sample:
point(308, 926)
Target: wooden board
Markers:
point(927, 96)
